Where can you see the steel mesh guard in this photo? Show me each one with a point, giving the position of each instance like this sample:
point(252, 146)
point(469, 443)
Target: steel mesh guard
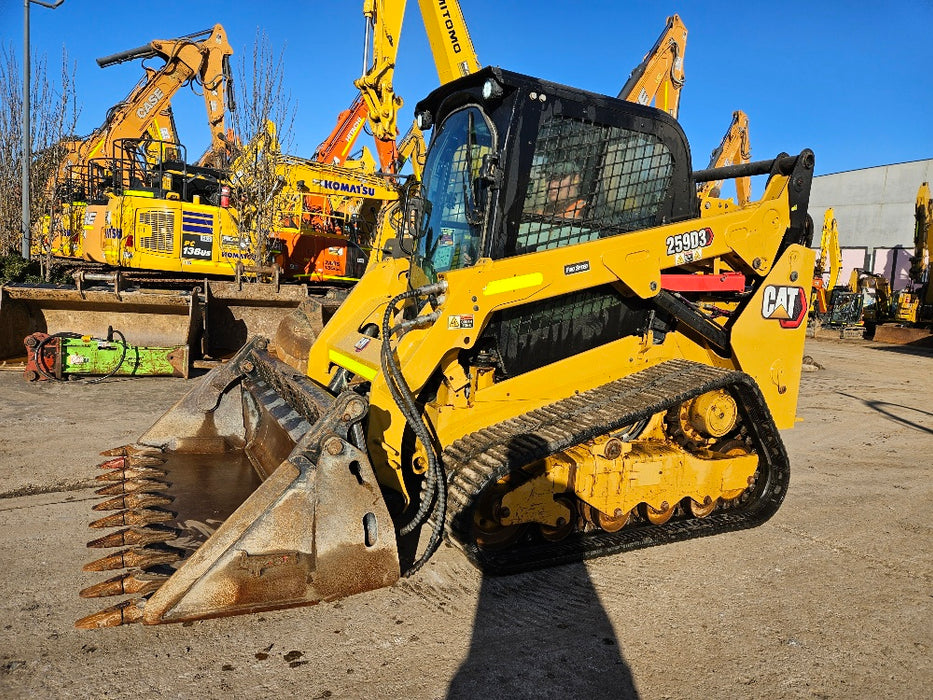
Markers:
point(589, 181)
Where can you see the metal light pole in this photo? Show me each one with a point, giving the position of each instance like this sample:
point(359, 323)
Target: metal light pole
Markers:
point(27, 136)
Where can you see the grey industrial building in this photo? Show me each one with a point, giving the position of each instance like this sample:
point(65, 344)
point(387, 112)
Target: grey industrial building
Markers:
point(874, 210)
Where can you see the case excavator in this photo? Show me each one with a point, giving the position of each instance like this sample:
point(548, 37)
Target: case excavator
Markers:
point(569, 363)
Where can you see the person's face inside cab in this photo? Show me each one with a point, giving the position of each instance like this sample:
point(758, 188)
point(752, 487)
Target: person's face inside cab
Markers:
point(563, 188)
point(563, 195)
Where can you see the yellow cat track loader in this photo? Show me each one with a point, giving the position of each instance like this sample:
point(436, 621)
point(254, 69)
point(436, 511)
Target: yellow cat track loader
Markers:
point(568, 363)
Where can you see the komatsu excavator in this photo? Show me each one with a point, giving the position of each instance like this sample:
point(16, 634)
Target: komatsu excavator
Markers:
point(570, 363)
point(143, 123)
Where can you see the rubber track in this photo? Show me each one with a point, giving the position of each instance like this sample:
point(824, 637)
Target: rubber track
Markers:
point(476, 461)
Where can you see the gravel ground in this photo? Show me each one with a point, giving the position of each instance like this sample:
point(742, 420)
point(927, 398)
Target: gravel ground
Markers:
point(832, 598)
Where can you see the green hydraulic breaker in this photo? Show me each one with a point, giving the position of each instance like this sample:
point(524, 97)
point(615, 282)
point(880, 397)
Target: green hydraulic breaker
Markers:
point(71, 355)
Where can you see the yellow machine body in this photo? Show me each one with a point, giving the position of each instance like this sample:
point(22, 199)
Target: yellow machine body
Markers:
point(536, 382)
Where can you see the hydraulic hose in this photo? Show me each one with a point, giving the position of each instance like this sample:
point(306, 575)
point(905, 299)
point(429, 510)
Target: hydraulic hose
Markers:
point(434, 489)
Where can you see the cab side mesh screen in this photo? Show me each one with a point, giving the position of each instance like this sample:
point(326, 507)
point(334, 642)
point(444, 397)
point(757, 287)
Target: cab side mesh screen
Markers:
point(589, 181)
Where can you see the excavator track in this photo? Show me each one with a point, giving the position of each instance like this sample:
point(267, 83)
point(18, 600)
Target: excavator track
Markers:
point(477, 461)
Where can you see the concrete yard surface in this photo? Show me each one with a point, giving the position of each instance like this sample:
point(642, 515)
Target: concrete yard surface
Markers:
point(832, 598)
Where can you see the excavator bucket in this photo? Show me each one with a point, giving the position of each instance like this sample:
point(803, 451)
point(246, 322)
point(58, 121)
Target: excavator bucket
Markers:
point(252, 493)
point(151, 318)
point(212, 317)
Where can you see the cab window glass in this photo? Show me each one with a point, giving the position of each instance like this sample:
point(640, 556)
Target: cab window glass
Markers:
point(452, 224)
point(589, 181)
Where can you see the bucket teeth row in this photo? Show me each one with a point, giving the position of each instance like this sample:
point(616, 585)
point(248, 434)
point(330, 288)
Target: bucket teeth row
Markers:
point(133, 501)
point(130, 583)
point(133, 537)
point(129, 462)
point(131, 473)
point(132, 486)
point(120, 614)
point(136, 518)
point(140, 558)
point(134, 489)
point(132, 451)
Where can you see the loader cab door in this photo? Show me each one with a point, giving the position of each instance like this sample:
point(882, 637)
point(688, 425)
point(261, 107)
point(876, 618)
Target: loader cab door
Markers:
point(456, 207)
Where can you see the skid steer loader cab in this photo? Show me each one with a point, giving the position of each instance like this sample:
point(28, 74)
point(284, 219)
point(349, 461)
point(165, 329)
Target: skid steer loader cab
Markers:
point(596, 167)
point(571, 363)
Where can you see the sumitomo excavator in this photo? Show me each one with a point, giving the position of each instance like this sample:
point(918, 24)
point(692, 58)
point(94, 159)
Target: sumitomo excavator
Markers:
point(570, 363)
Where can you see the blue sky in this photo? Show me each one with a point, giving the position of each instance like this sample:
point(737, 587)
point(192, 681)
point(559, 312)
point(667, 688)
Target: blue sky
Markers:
point(851, 80)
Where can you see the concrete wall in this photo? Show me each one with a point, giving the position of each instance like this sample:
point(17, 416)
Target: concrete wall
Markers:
point(874, 207)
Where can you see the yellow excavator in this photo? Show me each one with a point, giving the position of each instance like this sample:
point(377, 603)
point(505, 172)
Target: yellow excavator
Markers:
point(829, 260)
point(569, 364)
point(659, 78)
point(142, 127)
point(734, 149)
point(915, 304)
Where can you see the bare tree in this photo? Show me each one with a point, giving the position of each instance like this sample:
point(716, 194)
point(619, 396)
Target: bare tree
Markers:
point(264, 113)
point(54, 115)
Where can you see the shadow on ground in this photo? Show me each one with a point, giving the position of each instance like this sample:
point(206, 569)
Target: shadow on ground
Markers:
point(553, 629)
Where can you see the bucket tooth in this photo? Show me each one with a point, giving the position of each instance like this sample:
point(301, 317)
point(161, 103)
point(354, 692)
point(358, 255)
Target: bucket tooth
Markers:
point(132, 451)
point(129, 462)
point(138, 518)
point(131, 473)
point(135, 558)
point(124, 613)
point(132, 583)
point(132, 486)
point(133, 537)
point(132, 501)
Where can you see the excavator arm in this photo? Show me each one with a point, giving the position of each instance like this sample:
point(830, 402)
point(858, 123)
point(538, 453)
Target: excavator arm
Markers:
point(204, 54)
point(923, 235)
point(383, 28)
point(658, 79)
point(733, 150)
point(335, 149)
point(830, 254)
point(454, 57)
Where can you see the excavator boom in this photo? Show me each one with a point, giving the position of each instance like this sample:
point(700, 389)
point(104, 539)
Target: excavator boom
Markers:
point(659, 78)
point(734, 149)
point(203, 56)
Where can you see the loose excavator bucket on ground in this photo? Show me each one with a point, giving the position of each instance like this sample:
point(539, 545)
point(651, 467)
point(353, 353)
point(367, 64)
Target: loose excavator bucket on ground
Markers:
point(209, 317)
point(571, 363)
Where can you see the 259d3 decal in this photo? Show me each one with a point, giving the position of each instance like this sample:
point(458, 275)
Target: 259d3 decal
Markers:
point(688, 246)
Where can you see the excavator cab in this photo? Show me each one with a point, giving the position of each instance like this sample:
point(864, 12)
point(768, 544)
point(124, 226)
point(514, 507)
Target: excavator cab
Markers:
point(569, 364)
